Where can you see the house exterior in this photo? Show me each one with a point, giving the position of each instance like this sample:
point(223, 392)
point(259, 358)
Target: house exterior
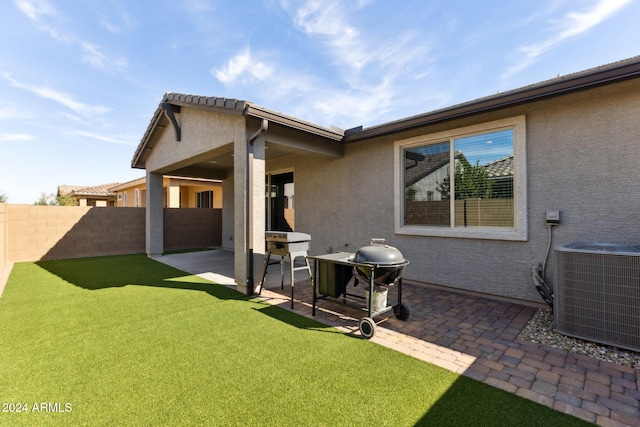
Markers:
point(570, 144)
point(177, 193)
point(97, 195)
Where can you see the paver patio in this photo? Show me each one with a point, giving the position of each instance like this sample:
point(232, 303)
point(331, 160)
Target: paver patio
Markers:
point(473, 336)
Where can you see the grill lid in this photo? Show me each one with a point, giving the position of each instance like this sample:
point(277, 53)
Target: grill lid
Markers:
point(380, 254)
point(286, 236)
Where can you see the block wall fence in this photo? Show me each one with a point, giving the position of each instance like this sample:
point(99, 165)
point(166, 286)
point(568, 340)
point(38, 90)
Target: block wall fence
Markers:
point(33, 233)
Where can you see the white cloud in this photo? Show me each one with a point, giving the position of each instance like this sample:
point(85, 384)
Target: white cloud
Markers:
point(110, 26)
point(119, 20)
point(580, 22)
point(242, 66)
point(327, 21)
point(58, 96)
point(9, 113)
point(42, 12)
point(374, 66)
point(103, 138)
point(342, 95)
point(573, 24)
point(358, 106)
point(35, 9)
point(16, 137)
point(97, 59)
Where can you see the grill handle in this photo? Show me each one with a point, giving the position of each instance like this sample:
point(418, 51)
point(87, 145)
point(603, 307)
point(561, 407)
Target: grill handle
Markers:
point(378, 241)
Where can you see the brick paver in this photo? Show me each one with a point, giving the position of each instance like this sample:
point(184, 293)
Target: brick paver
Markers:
point(477, 337)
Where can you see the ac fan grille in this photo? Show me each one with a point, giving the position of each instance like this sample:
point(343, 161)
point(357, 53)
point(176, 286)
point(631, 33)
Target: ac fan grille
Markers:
point(597, 297)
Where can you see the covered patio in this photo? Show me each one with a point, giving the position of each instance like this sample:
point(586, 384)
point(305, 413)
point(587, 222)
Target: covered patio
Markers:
point(234, 141)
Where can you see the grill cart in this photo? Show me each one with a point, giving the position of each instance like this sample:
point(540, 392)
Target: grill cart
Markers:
point(378, 264)
point(286, 244)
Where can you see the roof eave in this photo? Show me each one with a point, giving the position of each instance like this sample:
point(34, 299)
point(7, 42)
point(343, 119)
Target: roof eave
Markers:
point(601, 76)
point(293, 122)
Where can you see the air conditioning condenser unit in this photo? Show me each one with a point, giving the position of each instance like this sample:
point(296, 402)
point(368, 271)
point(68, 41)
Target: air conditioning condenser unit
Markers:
point(597, 293)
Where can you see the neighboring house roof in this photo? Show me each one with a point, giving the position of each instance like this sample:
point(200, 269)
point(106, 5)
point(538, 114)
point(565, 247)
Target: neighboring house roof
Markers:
point(93, 191)
point(124, 185)
point(63, 190)
point(417, 166)
point(141, 181)
point(500, 168)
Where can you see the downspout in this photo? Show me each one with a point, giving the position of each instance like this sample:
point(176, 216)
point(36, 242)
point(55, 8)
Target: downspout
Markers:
point(248, 215)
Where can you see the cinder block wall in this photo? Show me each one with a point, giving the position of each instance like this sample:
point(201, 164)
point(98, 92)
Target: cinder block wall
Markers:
point(192, 228)
point(31, 233)
point(58, 232)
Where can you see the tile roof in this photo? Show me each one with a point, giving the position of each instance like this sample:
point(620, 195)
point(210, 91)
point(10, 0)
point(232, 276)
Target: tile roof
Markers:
point(417, 166)
point(95, 191)
point(500, 168)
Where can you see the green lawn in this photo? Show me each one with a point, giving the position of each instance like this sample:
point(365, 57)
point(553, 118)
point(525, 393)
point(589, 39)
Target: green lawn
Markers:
point(129, 341)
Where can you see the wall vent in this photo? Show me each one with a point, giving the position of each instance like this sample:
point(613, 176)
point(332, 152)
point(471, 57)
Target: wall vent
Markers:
point(597, 293)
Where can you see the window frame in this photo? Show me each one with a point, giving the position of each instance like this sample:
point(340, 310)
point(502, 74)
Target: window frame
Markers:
point(519, 231)
point(205, 196)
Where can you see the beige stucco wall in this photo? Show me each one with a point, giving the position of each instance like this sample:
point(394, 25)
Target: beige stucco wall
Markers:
point(189, 194)
point(203, 133)
point(131, 196)
point(186, 192)
point(582, 154)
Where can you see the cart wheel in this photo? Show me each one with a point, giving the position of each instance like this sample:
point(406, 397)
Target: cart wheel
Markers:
point(367, 327)
point(401, 312)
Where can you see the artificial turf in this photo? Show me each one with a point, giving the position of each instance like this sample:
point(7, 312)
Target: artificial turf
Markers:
point(126, 340)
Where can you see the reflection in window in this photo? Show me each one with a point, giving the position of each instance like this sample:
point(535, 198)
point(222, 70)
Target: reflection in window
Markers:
point(461, 182)
point(426, 168)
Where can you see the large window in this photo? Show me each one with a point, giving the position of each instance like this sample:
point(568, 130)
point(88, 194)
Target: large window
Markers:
point(468, 182)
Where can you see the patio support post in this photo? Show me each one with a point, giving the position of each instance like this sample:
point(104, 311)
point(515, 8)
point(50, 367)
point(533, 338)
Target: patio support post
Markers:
point(249, 172)
point(154, 232)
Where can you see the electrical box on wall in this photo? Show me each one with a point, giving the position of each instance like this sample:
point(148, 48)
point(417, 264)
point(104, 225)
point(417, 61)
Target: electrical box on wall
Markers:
point(553, 217)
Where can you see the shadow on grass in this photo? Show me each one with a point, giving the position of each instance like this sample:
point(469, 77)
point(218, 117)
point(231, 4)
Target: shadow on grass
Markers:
point(138, 270)
point(297, 320)
point(132, 270)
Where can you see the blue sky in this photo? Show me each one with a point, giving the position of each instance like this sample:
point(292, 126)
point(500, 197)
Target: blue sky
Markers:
point(80, 79)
